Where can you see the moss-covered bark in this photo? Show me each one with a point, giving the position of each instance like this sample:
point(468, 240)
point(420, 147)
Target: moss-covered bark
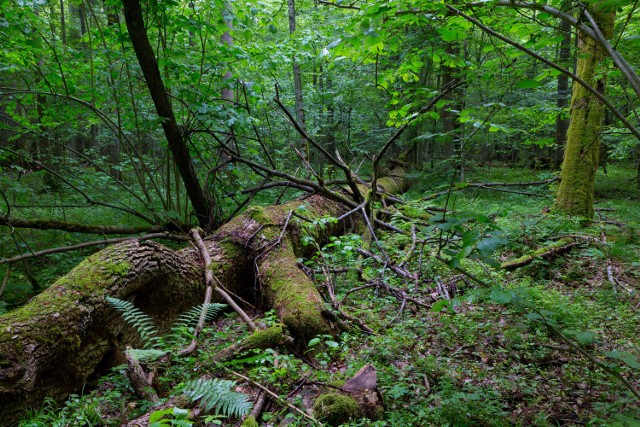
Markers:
point(576, 190)
point(54, 344)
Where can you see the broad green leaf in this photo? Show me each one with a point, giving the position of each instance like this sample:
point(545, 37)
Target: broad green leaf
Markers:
point(527, 84)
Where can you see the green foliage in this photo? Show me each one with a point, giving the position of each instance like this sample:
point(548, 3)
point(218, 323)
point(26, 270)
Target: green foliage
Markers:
point(176, 417)
point(143, 324)
point(214, 394)
point(140, 321)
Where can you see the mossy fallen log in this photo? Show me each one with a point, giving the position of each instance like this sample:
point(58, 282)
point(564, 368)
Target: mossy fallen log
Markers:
point(545, 252)
point(69, 334)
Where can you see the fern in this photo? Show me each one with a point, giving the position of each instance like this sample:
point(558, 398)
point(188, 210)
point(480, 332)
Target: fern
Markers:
point(146, 355)
point(141, 322)
point(190, 317)
point(216, 394)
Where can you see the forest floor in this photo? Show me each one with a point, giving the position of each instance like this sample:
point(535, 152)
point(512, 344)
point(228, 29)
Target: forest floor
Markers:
point(525, 348)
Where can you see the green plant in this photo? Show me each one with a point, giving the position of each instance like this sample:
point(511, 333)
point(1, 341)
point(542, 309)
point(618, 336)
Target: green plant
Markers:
point(177, 417)
point(144, 325)
point(215, 394)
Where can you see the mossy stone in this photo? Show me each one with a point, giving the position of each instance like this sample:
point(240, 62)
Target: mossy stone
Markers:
point(335, 408)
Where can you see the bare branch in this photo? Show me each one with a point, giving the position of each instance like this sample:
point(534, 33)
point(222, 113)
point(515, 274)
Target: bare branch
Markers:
point(164, 235)
point(76, 227)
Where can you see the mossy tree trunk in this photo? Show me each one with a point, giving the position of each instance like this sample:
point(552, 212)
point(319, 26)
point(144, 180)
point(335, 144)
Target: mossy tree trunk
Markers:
point(576, 190)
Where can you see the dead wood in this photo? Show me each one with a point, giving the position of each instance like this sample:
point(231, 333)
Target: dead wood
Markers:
point(546, 252)
point(140, 380)
point(69, 334)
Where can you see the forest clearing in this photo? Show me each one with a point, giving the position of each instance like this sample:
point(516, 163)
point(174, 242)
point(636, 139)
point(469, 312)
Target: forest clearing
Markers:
point(319, 213)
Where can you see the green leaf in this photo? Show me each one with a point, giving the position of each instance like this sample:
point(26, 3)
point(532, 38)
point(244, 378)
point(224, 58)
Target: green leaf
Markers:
point(449, 35)
point(585, 337)
point(439, 305)
point(527, 84)
point(499, 296)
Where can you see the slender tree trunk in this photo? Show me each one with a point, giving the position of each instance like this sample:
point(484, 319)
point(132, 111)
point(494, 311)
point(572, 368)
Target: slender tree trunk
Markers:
point(297, 80)
point(177, 144)
point(227, 91)
point(576, 190)
point(562, 100)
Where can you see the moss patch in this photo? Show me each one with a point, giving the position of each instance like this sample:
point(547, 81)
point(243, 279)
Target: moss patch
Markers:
point(250, 422)
point(335, 408)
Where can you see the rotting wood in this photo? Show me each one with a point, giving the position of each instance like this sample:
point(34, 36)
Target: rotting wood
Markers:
point(140, 380)
point(546, 252)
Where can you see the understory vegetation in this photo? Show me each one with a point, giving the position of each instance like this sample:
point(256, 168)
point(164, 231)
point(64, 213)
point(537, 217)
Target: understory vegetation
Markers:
point(458, 343)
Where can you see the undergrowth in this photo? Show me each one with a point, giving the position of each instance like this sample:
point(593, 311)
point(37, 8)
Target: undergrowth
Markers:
point(544, 345)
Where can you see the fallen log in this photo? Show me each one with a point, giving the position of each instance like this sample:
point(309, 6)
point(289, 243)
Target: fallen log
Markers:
point(551, 250)
point(68, 335)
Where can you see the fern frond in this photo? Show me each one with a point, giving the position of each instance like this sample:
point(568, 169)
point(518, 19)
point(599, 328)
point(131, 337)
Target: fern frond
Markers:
point(182, 329)
point(216, 394)
point(190, 317)
point(146, 355)
point(140, 321)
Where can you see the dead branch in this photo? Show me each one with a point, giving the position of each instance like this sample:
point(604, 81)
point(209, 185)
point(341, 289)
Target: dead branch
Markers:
point(75, 227)
point(555, 248)
point(164, 235)
point(140, 381)
point(353, 186)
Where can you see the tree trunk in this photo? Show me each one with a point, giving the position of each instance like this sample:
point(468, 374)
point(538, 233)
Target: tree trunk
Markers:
point(562, 122)
point(576, 190)
point(68, 335)
point(297, 81)
point(177, 144)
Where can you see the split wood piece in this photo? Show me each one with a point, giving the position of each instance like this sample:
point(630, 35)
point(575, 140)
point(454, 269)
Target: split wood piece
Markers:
point(358, 397)
point(260, 339)
point(551, 250)
point(140, 380)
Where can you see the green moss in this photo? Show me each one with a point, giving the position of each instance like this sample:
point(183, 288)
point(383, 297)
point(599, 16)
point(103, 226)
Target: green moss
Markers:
point(86, 282)
point(335, 408)
point(266, 338)
point(119, 268)
point(250, 422)
point(576, 189)
point(293, 295)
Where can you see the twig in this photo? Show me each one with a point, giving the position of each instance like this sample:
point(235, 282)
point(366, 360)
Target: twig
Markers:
point(340, 6)
point(463, 271)
point(357, 195)
point(209, 280)
point(592, 359)
point(275, 396)
point(396, 269)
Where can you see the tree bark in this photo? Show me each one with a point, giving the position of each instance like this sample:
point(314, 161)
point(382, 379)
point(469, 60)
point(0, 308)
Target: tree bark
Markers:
point(562, 100)
point(297, 80)
point(576, 190)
